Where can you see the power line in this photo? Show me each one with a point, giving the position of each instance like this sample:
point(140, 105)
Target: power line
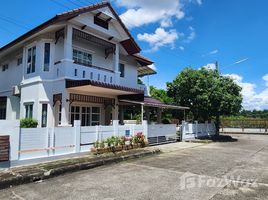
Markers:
point(60, 4)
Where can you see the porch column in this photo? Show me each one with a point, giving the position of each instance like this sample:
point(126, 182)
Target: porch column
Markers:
point(147, 114)
point(115, 110)
point(116, 64)
point(68, 45)
point(65, 109)
point(121, 114)
point(159, 115)
point(142, 110)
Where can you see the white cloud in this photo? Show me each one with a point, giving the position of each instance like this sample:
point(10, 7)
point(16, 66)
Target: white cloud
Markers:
point(181, 48)
point(191, 35)
point(265, 78)
point(199, 2)
point(152, 66)
point(160, 38)
point(214, 52)
point(240, 61)
point(140, 12)
point(211, 66)
point(252, 99)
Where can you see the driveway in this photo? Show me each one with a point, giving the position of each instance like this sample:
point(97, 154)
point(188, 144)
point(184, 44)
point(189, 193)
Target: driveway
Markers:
point(227, 170)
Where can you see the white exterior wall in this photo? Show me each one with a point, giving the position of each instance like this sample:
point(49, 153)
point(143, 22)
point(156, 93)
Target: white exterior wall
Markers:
point(131, 73)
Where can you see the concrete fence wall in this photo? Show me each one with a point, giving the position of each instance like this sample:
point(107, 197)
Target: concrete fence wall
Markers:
point(195, 130)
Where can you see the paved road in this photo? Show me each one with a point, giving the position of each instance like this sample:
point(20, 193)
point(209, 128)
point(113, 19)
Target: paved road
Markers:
point(180, 173)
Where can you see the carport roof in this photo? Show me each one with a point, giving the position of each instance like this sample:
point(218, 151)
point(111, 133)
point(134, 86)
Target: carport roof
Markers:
point(152, 102)
point(80, 83)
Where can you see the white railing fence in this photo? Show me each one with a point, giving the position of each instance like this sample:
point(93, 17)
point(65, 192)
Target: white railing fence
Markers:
point(195, 130)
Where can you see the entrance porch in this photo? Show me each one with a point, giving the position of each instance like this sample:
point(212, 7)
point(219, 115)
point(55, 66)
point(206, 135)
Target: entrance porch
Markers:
point(91, 102)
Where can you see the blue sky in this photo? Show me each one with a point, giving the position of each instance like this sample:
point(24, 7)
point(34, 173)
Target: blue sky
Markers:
point(175, 34)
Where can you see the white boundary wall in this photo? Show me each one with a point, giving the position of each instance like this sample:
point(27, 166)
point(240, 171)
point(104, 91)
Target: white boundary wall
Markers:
point(33, 143)
point(11, 128)
point(195, 130)
point(29, 144)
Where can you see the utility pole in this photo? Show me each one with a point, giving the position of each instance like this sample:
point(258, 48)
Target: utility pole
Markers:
point(217, 66)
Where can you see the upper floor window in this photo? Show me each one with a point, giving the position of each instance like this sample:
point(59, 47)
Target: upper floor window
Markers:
point(5, 67)
point(31, 60)
point(122, 70)
point(46, 57)
point(82, 58)
point(19, 61)
point(100, 22)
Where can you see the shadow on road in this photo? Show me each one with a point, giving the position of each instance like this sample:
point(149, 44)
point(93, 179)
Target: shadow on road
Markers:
point(221, 138)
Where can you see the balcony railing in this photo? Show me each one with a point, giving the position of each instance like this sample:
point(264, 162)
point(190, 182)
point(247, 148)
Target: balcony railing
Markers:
point(93, 66)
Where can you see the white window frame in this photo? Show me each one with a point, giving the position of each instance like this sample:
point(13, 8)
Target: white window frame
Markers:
point(27, 113)
point(31, 71)
point(83, 51)
point(5, 67)
point(90, 114)
point(46, 68)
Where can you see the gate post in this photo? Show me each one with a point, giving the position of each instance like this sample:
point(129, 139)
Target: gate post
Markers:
point(196, 129)
point(77, 132)
point(115, 127)
point(145, 128)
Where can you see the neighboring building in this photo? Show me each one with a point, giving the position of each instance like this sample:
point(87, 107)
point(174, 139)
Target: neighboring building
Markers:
point(75, 66)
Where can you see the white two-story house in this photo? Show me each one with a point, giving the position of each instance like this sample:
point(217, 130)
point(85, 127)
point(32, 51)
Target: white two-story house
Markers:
point(75, 66)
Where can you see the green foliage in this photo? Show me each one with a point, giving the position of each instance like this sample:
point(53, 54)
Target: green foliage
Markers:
point(96, 144)
point(102, 144)
point(206, 92)
point(254, 114)
point(166, 121)
point(28, 123)
point(161, 95)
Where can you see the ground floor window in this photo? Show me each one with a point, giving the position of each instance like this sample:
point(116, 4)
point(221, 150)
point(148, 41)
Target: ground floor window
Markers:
point(3, 107)
point(44, 115)
point(29, 111)
point(88, 115)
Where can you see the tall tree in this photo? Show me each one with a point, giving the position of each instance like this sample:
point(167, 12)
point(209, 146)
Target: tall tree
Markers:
point(207, 93)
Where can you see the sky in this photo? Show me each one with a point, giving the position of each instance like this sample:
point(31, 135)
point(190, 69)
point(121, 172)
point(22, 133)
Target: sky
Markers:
point(176, 34)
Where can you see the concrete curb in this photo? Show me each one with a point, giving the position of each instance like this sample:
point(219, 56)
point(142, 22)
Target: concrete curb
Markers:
point(244, 133)
point(41, 174)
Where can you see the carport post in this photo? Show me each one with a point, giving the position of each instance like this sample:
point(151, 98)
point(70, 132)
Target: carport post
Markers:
point(159, 115)
point(142, 110)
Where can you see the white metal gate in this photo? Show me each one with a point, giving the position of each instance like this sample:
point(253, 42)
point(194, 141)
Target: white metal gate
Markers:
point(162, 133)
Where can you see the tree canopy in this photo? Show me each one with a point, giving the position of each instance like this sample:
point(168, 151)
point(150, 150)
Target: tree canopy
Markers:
point(161, 95)
point(206, 92)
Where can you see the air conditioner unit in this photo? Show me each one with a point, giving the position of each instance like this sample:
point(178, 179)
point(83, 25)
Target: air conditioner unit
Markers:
point(16, 90)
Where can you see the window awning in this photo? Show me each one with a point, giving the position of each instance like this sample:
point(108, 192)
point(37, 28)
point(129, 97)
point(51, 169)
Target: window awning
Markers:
point(152, 102)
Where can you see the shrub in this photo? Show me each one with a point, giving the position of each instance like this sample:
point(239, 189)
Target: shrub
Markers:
point(139, 138)
point(28, 123)
point(166, 121)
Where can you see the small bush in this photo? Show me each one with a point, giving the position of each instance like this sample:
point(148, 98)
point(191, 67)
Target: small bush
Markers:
point(166, 121)
point(28, 123)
